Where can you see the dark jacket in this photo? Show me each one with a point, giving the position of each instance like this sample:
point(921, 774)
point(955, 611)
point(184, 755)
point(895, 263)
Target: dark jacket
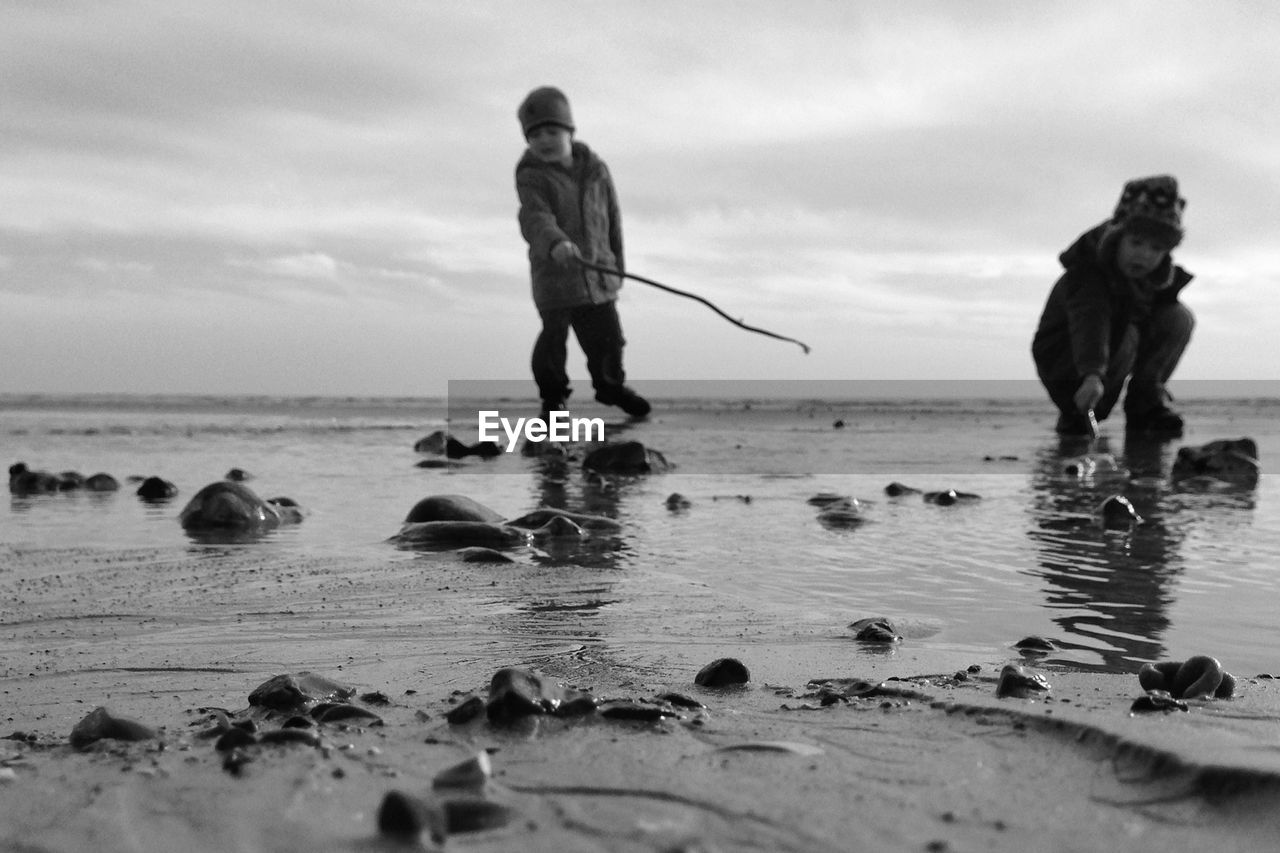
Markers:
point(577, 204)
point(1092, 304)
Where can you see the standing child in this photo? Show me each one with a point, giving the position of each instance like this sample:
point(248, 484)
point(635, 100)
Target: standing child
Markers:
point(1114, 315)
point(569, 212)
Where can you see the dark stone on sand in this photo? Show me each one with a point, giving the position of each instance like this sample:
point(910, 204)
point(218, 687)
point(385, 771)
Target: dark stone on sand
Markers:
point(471, 774)
point(435, 463)
point(343, 712)
point(228, 505)
point(949, 497)
point(558, 528)
point(474, 814)
point(451, 508)
point(101, 724)
point(471, 708)
point(1117, 512)
point(722, 672)
point(680, 700)
point(875, 629)
point(436, 442)
point(625, 457)
point(481, 554)
point(676, 501)
point(1198, 677)
point(306, 737)
point(237, 475)
point(1233, 461)
point(298, 692)
point(405, 817)
point(69, 481)
point(539, 518)
point(156, 489)
point(834, 689)
point(24, 481)
point(516, 692)
point(826, 499)
point(101, 482)
point(234, 738)
point(441, 443)
point(1020, 682)
point(1035, 645)
point(460, 533)
point(843, 513)
point(896, 489)
point(1157, 700)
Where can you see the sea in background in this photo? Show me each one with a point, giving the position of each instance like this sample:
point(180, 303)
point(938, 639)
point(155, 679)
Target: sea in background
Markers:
point(747, 569)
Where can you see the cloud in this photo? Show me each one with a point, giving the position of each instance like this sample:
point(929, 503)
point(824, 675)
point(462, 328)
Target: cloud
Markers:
point(849, 168)
point(310, 265)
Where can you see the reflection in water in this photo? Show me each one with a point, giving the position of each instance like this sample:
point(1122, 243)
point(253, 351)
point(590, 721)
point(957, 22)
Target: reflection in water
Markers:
point(560, 483)
point(575, 582)
point(1112, 586)
point(1113, 589)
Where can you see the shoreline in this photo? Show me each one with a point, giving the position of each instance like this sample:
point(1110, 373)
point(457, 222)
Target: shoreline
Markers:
point(938, 767)
point(934, 764)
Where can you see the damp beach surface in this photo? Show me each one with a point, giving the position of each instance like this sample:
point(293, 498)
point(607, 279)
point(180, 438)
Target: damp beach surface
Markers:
point(107, 601)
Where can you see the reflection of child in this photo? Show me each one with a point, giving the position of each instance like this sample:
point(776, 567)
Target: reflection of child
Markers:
point(1114, 314)
point(569, 212)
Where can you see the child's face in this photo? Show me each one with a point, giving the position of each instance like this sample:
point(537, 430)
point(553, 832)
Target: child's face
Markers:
point(1137, 256)
point(551, 143)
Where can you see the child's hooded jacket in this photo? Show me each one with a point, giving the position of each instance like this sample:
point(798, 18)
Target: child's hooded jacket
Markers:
point(1092, 304)
point(577, 204)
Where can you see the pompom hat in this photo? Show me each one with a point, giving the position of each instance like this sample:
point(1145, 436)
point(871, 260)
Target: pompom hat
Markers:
point(1152, 208)
point(545, 105)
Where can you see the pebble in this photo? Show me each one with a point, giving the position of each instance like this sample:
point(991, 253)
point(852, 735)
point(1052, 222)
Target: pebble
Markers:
point(1020, 682)
point(101, 724)
point(405, 817)
point(722, 672)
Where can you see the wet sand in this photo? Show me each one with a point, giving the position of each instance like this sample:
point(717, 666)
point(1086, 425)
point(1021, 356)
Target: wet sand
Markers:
point(932, 764)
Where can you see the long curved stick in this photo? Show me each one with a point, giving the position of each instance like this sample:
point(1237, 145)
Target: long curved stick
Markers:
point(705, 302)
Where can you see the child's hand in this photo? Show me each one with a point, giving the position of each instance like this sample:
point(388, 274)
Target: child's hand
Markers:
point(1089, 392)
point(565, 252)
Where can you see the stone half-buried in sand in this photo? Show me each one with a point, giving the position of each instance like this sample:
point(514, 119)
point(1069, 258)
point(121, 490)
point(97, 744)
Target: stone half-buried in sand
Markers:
point(625, 457)
point(723, 672)
point(458, 534)
point(1223, 462)
point(456, 521)
point(230, 505)
point(440, 443)
point(156, 489)
point(1198, 677)
point(1020, 682)
point(102, 724)
point(451, 508)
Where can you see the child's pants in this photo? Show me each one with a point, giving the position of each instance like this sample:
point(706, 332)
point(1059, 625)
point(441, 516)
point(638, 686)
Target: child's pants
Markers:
point(599, 333)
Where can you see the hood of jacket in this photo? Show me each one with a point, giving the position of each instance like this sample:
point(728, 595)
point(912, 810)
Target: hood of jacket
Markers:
point(1095, 251)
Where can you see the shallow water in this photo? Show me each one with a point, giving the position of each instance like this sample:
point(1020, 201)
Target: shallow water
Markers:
point(747, 570)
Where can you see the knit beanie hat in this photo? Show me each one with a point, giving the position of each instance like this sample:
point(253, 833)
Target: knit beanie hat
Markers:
point(1151, 207)
point(545, 105)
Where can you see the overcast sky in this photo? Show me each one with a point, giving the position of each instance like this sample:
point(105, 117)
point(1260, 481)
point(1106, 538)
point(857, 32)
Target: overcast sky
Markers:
point(318, 197)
